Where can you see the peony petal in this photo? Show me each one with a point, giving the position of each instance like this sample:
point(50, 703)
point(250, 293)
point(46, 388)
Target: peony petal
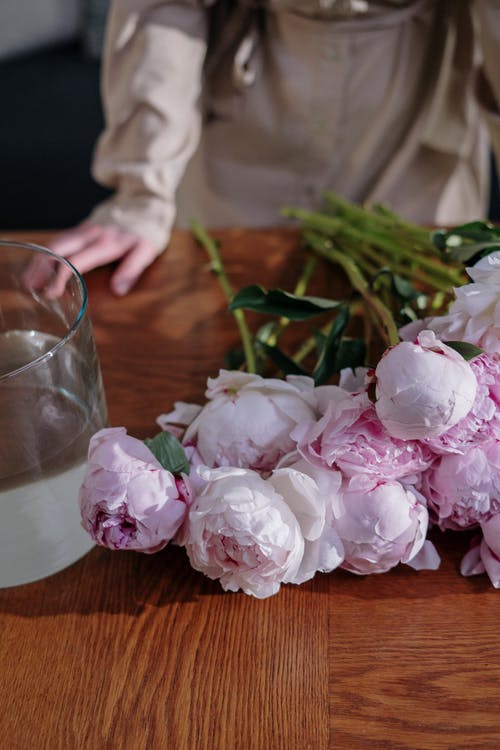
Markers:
point(491, 564)
point(472, 564)
point(323, 555)
point(426, 559)
point(300, 493)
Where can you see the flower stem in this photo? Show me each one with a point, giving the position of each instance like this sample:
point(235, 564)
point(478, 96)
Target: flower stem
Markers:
point(383, 315)
point(381, 217)
point(309, 344)
point(207, 242)
point(353, 232)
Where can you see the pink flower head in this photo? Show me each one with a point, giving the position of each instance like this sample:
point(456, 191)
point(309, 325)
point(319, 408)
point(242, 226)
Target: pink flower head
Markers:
point(127, 499)
point(350, 437)
point(248, 419)
point(382, 524)
point(482, 423)
point(423, 388)
point(251, 533)
point(474, 315)
point(464, 489)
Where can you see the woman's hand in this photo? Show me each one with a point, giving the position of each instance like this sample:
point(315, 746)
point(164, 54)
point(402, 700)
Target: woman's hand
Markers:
point(88, 246)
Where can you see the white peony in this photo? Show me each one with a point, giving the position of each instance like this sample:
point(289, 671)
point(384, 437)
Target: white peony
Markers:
point(251, 533)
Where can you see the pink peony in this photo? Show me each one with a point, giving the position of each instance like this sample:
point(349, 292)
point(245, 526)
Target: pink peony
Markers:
point(474, 316)
point(350, 437)
point(248, 419)
point(462, 490)
point(382, 524)
point(251, 533)
point(483, 555)
point(423, 388)
point(178, 420)
point(482, 423)
point(127, 499)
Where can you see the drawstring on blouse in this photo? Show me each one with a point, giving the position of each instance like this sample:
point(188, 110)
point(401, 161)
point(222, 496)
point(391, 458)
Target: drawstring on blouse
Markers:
point(243, 73)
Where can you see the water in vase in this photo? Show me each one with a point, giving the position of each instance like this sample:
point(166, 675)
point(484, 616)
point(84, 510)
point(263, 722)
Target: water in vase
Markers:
point(46, 420)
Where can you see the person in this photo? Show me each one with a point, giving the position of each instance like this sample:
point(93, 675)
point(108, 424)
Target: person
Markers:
point(227, 111)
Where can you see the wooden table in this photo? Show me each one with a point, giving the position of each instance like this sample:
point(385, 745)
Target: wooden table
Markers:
point(132, 651)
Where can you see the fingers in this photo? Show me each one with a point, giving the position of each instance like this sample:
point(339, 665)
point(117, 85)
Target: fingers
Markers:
point(72, 240)
point(139, 257)
point(90, 246)
point(107, 245)
point(38, 272)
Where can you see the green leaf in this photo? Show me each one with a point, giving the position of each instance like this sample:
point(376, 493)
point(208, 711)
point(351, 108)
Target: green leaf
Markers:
point(285, 364)
point(278, 302)
point(467, 242)
point(468, 351)
point(266, 331)
point(234, 358)
point(320, 340)
point(401, 287)
point(169, 452)
point(407, 314)
point(404, 289)
point(473, 252)
point(474, 231)
point(326, 363)
point(351, 353)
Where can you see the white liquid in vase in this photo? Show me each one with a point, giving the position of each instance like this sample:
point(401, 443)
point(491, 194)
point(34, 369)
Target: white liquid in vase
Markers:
point(44, 434)
point(40, 531)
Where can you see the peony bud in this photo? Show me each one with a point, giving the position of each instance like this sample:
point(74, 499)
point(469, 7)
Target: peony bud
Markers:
point(423, 388)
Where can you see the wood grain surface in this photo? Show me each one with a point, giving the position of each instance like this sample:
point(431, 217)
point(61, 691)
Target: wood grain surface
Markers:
point(131, 651)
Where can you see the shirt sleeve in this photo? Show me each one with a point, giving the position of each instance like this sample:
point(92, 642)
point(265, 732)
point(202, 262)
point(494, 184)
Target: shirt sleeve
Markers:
point(151, 84)
point(488, 82)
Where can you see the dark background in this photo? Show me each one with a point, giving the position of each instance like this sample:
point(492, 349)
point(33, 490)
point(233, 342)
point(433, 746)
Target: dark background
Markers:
point(50, 121)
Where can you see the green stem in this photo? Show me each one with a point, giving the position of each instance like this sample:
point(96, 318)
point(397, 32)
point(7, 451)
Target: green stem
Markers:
point(305, 277)
point(383, 316)
point(411, 274)
point(397, 250)
point(381, 217)
point(204, 239)
point(420, 235)
point(387, 249)
point(309, 344)
point(367, 263)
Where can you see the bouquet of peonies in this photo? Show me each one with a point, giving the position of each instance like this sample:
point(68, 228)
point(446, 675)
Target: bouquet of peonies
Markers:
point(273, 479)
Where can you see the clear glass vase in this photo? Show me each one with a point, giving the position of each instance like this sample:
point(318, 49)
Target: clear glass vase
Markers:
point(51, 402)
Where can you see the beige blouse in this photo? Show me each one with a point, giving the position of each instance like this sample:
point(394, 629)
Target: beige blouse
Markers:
point(229, 110)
